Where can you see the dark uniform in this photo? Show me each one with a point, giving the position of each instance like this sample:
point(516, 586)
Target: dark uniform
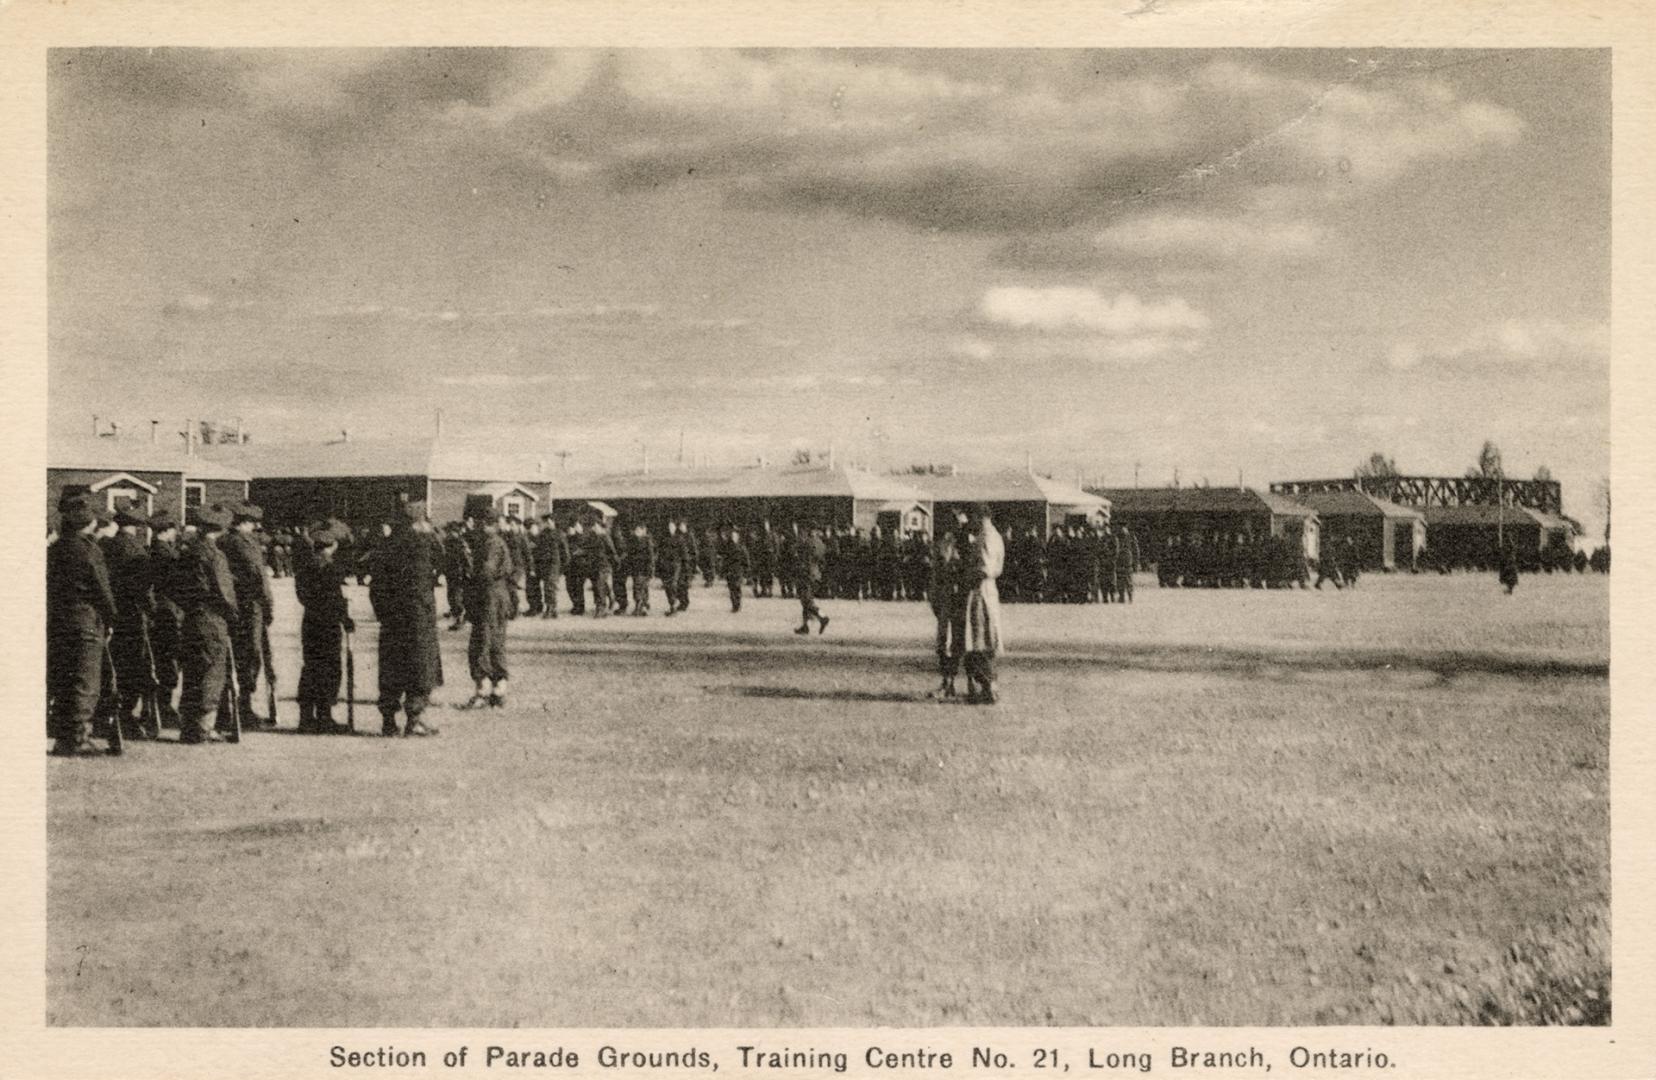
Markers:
point(404, 599)
point(79, 608)
point(551, 555)
point(168, 622)
point(319, 585)
point(735, 563)
point(764, 561)
point(247, 568)
point(207, 593)
point(517, 546)
point(809, 554)
point(668, 561)
point(641, 562)
point(487, 602)
point(456, 560)
point(128, 562)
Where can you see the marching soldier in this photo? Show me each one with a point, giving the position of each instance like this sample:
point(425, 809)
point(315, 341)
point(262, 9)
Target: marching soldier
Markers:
point(168, 622)
point(401, 592)
point(668, 564)
point(207, 593)
point(551, 555)
point(1126, 562)
point(532, 579)
point(809, 554)
point(319, 585)
point(456, 560)
point(247, 568)
point(80, 607)
point(690, 559)
point(517, 547)
point(640, 562)
point(735, 563)
point(575, 570)
point(764, 560)
point(127, 559)
point(487, 602)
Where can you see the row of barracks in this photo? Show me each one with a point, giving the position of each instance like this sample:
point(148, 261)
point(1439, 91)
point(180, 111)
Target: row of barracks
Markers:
point(363, 481)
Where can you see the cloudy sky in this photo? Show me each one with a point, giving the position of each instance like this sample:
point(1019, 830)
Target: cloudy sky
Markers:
point(1265, 262)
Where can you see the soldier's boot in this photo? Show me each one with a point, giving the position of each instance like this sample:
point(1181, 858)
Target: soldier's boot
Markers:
point(388, 723)
point(307, 717)
point(325, 723)
point(417, 728)
point(203, 730)
point(497, 697)
point(251, 719)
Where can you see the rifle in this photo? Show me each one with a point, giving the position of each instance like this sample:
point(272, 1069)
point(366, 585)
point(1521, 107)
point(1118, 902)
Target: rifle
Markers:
point(232, 686)
point(152, 694)
point(117, 739)
point(270, 673)
point(350, 679)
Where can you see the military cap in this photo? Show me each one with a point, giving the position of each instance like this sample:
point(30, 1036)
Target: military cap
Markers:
point(414, 509)
point(130, 515)
point(244, 511)
point(214, 517)
point(161, 521)
point(77, 512)
point(324, 533)
point(488, 515)
point(72, 493)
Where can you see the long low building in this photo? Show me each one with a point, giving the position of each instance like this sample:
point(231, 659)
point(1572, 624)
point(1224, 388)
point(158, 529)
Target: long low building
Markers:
point(1154, 515)
point(363, 482)
point(747, 496)
point(150, 475)
point(1469, 537)
point(1384, 535)
point(1017, 500)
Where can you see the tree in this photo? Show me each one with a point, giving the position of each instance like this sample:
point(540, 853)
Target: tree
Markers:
point(1543, 473)
point(1377, 465)
point(1489, 461)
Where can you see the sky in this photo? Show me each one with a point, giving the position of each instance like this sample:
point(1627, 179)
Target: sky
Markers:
point(1116, 264)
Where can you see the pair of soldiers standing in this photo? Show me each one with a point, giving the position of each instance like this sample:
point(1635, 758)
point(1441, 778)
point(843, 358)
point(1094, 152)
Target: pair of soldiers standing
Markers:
point(966, 602)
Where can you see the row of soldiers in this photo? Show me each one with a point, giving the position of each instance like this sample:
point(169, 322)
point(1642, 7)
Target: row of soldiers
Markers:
point(1223, 560)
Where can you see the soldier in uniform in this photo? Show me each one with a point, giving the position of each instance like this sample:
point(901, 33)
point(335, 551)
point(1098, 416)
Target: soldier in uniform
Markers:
point(456, 560)
point(487, 601)
point(735, 562)
point(668, 562)
point(79, 609)
point(247, 568)
point(692, 558)
point(551, 555)
point(764, 560)
point(708, 555)
point(518, 548)
point(127, 558)
point(982, 561)
point(575, 571)
point(319, 585)
point(207, 592)
point(809, 555)
point(944, 593)
point(1126, 563)
point(404, 601)
point(169, 614)
point(534, 589)
point(640, 562)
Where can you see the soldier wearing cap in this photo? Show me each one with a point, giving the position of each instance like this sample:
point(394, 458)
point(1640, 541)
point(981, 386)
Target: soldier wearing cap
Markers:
point(247, 568)
point(168, 620)
point(80, 607)
point(511, 531)
point(127, 559)
point(641, 564)
point(809, 554)
point(551, 556)
point(319, 585)
point(456, 564)
point(403, 594)
point(486, 603)
point(207, 593)
point(735, 562)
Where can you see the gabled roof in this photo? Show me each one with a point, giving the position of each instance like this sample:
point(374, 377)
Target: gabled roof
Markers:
point(741, 482)
point(1010, 485)
point(505, 487)
point(435, 459)
point(134, 455)
point(1204, 500)
point(1355, 504)
point(1479, 514)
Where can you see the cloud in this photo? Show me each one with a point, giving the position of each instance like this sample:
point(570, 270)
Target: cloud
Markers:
point(1005, 149)
point(1066, 308)
point(1161, 236)
point(1510, 346)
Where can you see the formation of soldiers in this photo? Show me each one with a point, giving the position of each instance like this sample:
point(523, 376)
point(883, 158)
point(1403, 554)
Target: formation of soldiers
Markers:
point(1222, 560)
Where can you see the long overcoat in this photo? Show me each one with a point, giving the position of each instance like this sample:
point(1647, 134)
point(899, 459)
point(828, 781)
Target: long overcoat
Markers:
point(982, 565)
point(405, 603)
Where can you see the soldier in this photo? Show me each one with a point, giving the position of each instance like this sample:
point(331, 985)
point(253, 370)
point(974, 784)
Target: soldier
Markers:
point(763, 551)
point(551, 555)
point(735, 562)
point(169, 615)
point(532, 580)
point(456, 560)
point(126, 558)
point(486, 653)
point(575, 571)
point(602, 561)
point(692, 561)
point(944, 593)
point(807, 574)
point(319, 585)
point(404, 602)
point(79, 609)
point(1126, 564)
point(207, 592)
point(518, 548)
point(1508, 576)
point(247, 568)
point(669, 565)
point(640, 563)
point(982, 561)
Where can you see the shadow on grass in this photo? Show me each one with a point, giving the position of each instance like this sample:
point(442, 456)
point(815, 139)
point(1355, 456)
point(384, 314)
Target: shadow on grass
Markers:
point(794, 693)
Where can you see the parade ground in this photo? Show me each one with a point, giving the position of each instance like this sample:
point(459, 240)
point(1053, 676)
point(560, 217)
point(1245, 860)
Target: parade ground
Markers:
point(1383, 805)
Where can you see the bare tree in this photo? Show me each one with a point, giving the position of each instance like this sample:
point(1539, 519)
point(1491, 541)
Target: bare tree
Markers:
point(1489, 461)
point(1377, 465)
point(1543, 473)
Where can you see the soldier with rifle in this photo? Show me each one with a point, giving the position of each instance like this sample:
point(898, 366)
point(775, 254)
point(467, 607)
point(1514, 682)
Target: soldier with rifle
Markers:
point(319, 585)
point(128, 561)
point(246, 559)
point(80, 607)
point(207, 594)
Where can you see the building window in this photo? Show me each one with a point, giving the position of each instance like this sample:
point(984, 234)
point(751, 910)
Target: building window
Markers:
point(512, 506)
point(195, 494)
point(119, 498)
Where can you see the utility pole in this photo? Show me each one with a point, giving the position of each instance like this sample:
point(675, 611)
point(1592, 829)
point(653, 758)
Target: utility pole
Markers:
point(1136, 466)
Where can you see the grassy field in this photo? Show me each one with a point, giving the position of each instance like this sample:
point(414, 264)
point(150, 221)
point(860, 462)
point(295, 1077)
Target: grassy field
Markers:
point(1382, 805)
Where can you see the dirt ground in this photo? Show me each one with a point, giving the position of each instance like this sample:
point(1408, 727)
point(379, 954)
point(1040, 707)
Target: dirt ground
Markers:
point(1388, 804)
